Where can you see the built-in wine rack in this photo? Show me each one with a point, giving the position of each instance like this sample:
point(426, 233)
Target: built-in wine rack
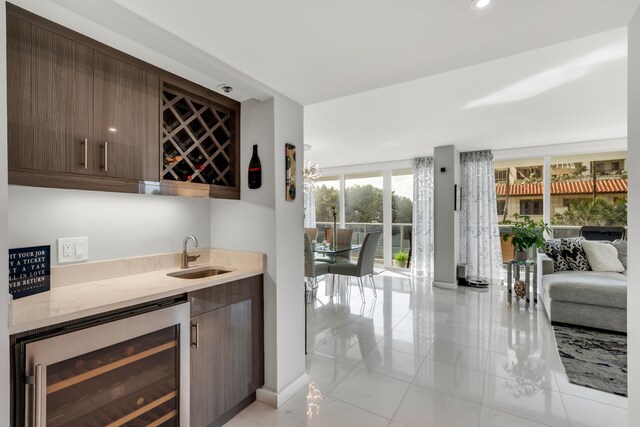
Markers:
point(198, 140)
point(133, 383)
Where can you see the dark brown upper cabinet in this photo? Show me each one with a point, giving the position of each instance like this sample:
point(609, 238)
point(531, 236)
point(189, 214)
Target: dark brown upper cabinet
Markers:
point(126, 121)
point(50, 100)
point(83, 115)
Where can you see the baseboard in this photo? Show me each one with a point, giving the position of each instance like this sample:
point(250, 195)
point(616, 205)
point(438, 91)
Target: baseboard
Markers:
point(275, 399)
point(446, 285)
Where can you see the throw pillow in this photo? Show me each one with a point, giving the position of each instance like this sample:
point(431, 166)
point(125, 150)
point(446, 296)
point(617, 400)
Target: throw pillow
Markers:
point(573, 254)
point(553, 251)
point(621, 246)
point(602, 256)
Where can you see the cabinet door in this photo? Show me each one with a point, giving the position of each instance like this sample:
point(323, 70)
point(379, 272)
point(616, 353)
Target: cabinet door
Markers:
point(50, 99)
point(127, 120)
point(209, 365)
point(240, 370)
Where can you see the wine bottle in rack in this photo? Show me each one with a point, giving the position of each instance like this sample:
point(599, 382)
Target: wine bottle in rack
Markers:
point(255, 170)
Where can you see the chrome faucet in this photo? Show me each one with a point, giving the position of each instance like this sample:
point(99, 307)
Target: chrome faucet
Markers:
point(185, 256)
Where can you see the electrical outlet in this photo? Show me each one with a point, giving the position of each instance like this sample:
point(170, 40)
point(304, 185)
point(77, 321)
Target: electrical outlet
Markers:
point(72, 249)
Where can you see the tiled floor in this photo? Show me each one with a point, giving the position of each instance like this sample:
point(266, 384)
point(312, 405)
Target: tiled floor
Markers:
point(419, 356)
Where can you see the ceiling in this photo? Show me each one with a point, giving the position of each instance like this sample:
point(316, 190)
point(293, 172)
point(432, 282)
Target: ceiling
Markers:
point(573, 91)
point(385, 80)
point(313, 51)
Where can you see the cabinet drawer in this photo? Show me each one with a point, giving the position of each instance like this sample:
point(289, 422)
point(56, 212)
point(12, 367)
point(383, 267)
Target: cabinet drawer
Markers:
point(228, 293)
point(244, 289)
point(209, 299)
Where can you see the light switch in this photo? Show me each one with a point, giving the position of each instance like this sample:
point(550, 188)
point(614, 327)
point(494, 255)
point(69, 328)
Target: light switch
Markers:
point(72, 249)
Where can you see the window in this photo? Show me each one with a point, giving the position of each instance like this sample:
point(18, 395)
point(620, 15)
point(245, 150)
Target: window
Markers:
point(529, 172)
point(401, 210)
point(531, 207)
point(574, 200)
point(501, 204)
point(501, 175)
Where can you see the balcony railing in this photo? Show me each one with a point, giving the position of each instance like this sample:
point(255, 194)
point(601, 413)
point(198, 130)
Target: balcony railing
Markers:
point(400, 235)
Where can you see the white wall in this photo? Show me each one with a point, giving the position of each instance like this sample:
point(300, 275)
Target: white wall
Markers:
point(118, 225)
point(249, 224)
point(263, 221)
point(633, 156)
point(446, 223)
point(289, 247)
point(4, 256)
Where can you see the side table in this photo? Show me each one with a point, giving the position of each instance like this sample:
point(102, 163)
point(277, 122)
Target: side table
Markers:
point(527, 269)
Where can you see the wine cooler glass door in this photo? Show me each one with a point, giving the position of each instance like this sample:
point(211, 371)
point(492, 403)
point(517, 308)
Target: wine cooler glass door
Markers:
point(131, 372)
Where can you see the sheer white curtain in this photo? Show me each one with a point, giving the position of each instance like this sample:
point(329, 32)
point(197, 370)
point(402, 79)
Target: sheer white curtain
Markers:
point(422, 241)
point(479, 232)
point(310, 210)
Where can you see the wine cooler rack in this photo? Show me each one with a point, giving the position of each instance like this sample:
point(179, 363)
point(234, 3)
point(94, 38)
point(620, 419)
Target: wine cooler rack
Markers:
point(198, 140)
point(132, 383)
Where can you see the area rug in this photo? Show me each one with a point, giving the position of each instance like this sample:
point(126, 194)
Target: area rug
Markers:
point(594, 359)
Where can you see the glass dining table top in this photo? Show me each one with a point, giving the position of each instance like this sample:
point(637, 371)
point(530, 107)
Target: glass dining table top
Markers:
point(330, 250)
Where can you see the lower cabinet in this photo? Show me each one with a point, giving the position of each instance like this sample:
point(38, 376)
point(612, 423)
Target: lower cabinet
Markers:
point(227, 352)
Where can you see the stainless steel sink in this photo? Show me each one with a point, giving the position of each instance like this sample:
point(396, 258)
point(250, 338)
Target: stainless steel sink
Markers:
point(198, 274)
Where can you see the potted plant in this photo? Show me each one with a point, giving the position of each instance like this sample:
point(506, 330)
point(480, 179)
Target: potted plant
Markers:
point(526, 234)
point(400, 259)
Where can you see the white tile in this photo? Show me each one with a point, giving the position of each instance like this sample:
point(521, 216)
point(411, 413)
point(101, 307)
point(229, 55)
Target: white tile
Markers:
point(370, 391)
point(490, 417)
point(587, 413)
point(457, 331)
point(387, 308)
point(426, 408)
point(459, 355)
point(589, 393)
point(395, 364)
point(356, 353)
point(325, 373)
point(291, 414)
point(334, 413)
point(407, 343)
point(452, 380)
point(526, 400)
point(522, 367)
point(242, 421)
point(332, 346)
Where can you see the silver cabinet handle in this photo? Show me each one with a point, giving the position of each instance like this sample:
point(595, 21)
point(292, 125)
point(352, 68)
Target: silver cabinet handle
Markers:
point(196, 343)
point(85, 155)
point(37, 400)
point(106, 156)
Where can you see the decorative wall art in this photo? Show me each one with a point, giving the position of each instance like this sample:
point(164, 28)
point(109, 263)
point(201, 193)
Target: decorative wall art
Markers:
point(290, 172)
point(29, 271)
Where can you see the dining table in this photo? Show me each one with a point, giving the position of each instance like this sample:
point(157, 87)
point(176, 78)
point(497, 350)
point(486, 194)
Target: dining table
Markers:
point(331, 251)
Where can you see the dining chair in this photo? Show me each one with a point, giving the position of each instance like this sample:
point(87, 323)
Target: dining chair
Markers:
point(364, 265)
point(343, 240)
point(312, 232)
point(312, 268)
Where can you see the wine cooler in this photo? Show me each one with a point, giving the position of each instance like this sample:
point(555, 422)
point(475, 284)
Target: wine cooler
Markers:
point(128, 372)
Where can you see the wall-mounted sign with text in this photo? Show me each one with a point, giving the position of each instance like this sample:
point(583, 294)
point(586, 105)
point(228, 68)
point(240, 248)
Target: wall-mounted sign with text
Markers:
point(29, 271)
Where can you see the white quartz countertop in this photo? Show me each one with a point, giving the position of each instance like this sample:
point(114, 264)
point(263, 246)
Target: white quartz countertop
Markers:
point(75, 301)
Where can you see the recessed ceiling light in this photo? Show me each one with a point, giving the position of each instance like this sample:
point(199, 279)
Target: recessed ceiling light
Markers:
point(480, 4)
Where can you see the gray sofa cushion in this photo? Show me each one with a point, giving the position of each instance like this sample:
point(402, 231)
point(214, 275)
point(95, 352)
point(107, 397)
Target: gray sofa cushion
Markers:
point(621, 246)
point(587, 287)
